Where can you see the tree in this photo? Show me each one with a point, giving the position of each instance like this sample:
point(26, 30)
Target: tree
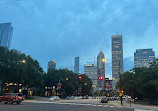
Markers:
point(16, 67)
point(141, 83)
point(70, 82)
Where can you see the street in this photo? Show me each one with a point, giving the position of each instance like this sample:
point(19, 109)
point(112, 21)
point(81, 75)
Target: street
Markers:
point(54, 106)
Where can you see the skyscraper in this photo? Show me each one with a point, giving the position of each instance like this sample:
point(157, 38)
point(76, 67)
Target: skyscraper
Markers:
point(91, 71)
point(5, 34)
point(76, 65)
point(101, 70)
point(143, 57)
point(51, 65)
point(117, 58)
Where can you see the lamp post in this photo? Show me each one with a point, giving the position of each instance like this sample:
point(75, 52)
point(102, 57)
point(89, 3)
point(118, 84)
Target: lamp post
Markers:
point(19, 63)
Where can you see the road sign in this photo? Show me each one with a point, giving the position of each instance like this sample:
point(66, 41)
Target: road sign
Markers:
point(59, 85)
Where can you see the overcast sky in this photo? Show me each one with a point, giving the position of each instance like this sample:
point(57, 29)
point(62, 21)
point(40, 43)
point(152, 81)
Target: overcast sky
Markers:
point(62, 29)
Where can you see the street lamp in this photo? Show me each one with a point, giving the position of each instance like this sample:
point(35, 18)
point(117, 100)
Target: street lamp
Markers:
point(67, 79)
point(103, 60)
point(23, 61)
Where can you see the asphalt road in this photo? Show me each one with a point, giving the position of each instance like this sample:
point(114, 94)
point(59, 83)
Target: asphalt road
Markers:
point(47, 106)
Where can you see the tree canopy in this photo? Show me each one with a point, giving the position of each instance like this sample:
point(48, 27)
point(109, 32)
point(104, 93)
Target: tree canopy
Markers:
point(141, 83)
point(16, 67)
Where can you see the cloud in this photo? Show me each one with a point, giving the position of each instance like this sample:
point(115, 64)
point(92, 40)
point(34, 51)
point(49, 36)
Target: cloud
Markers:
point(61, 30)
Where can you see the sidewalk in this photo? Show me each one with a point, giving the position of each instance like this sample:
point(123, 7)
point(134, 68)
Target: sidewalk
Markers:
point(133, 106)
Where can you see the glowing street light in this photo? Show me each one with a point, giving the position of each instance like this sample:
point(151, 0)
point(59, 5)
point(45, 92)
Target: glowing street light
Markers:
point(67, 79)
point(103, 60)
point(23, 61)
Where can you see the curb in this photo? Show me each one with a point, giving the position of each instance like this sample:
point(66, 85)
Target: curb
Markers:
point(29, 100)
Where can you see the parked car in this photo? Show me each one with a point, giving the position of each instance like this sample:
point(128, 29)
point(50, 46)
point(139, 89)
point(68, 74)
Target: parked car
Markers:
point(104, 100)
point(12, 98)
point(90, 97)
point(54, 98)
point(76, 97)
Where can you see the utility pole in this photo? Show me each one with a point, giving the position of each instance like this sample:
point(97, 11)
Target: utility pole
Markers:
point(120, 76)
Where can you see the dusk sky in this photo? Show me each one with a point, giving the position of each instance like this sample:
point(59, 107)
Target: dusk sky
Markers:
point(63, 29)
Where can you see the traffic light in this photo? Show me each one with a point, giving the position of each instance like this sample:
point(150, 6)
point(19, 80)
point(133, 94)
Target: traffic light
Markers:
point(80, 77)
point(101, 78)
point(122, 91)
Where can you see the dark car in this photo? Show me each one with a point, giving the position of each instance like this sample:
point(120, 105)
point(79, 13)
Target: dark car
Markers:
point(104, 100)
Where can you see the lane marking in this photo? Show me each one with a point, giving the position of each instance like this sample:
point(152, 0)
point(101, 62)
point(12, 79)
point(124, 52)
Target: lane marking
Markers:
point(142, 110)
point(105, 106)
point(69, 103)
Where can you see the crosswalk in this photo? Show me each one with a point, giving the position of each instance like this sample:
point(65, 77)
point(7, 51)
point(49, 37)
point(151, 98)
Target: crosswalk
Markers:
point(80, 104)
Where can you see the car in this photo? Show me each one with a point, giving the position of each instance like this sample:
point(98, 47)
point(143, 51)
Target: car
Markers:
point(54, 98)
point(104, 100)
point(76, 97)
point(12, 98)
point(90, 97)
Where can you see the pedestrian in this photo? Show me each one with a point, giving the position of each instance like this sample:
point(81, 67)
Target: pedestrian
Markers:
point(130, 100)
point(126, 99)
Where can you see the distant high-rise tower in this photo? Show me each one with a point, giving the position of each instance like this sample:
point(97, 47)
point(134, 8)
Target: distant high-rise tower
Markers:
point(101, 69)
point(6, 31)
point(51, 65)
point(143, 57)
point(76, 65)
point(91, 71)
point(117, 58)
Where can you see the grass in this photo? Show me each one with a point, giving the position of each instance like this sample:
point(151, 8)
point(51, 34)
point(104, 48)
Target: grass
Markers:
point(143, 102)
point(29, 98)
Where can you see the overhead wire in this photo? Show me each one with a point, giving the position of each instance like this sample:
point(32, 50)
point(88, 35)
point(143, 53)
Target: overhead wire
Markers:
point(99, 23)
point(10, 2)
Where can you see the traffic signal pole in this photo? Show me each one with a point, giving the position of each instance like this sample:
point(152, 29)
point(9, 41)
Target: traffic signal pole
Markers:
point(120, 76)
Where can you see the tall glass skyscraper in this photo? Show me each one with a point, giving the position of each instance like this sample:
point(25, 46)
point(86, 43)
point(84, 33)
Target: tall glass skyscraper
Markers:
point(143, 57)
point(76, 65)
point(117, 58)
point(101, 69)
point(6, 31)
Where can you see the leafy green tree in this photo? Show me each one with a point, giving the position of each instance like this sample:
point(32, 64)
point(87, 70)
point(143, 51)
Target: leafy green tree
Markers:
point(16, 67)
point(142, 83)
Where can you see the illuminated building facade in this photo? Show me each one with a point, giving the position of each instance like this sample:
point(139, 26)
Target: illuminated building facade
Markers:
point(91, 71)
point(117, 58)
point(143, 57)
point(101, 70)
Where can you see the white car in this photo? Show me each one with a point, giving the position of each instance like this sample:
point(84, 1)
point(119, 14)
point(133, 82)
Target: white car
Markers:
point(54, 98)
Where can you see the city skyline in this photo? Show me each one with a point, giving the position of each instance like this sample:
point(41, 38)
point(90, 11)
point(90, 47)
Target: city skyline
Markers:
point(31, 30)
